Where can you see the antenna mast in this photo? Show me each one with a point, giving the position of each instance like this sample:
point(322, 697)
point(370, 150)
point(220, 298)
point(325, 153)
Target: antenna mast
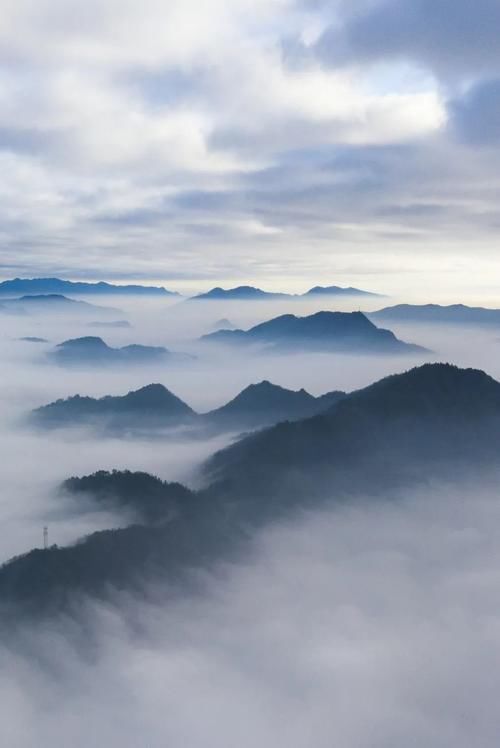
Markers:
point(45, 538)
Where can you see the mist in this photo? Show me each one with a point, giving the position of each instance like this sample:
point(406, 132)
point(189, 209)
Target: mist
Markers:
point(34, 462)
point(370, 624)
point(375, 624)
point(216, 373)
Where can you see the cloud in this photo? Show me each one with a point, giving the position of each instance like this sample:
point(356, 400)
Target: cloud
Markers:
point(113, 117)
point(354, 624)
point(358, 626)
point(452, 37)
point(476, 116)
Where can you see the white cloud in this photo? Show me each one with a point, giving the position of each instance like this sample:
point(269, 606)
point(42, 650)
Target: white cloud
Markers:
point(112, 114)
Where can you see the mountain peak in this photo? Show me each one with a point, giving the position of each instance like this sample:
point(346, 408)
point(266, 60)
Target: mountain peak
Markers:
point(155, 396)
point(430, 388)
point(265, 402)
point(87, 341)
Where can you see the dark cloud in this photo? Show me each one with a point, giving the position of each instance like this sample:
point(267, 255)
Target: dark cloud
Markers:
point(476, 116)
point(452, 37)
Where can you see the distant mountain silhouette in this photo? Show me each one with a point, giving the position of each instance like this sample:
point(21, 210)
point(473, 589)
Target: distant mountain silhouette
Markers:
point(241, 293)
point(149, 406)
point(434, 313)
point(430, 422)
point(93, 350)
point(335, 331)
point(54, 303)
point(58, 286)
point(338, 291)
point(154, 406)
point(33, 339)
point(265, 403)
point(251, 293)
point(115, 324)
point(223, 324)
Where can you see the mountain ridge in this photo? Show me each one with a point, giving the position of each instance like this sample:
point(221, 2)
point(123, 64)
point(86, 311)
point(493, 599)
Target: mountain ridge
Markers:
point(426, 413)
point(459, 314)
point(399, 432)
point(55, 285)
point(247, 293)
point(54, 303)
point(91, 349)
point(255, 406)
point(323, 330)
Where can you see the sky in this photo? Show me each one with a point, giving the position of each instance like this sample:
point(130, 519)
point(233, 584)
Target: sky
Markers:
point(277, 142)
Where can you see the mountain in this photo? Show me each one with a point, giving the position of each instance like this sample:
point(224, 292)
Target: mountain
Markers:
point(19, 286)
point(399, 430)
point(324, 331)
point(265, 403)
point(338, 291)
point(154, 406)
point(431, 422)
point(47, 582)
point(250, 293)
point(53, 304)
point(93, 350)
point(151, 499)
point(455, 314)
point(223, 324)
point(240, 293)
point(115, 324)
point(150, 406)
point(33, 339)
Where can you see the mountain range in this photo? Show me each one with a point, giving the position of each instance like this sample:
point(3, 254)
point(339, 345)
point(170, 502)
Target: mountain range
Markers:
point(428, 423)
point(250, 293)
point(323, 331)
point(37, 286)
point(455, 314)
point(154, 406)
point(435, 414)
point(22, 286)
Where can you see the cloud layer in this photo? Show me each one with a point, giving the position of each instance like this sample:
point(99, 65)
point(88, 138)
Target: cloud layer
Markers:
point(266, 140)
point(366, 627)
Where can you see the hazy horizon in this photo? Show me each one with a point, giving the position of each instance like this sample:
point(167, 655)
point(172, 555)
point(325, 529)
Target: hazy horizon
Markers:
point(392, 293)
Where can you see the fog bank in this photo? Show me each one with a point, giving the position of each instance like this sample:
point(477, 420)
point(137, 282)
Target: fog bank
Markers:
point(370, 626)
